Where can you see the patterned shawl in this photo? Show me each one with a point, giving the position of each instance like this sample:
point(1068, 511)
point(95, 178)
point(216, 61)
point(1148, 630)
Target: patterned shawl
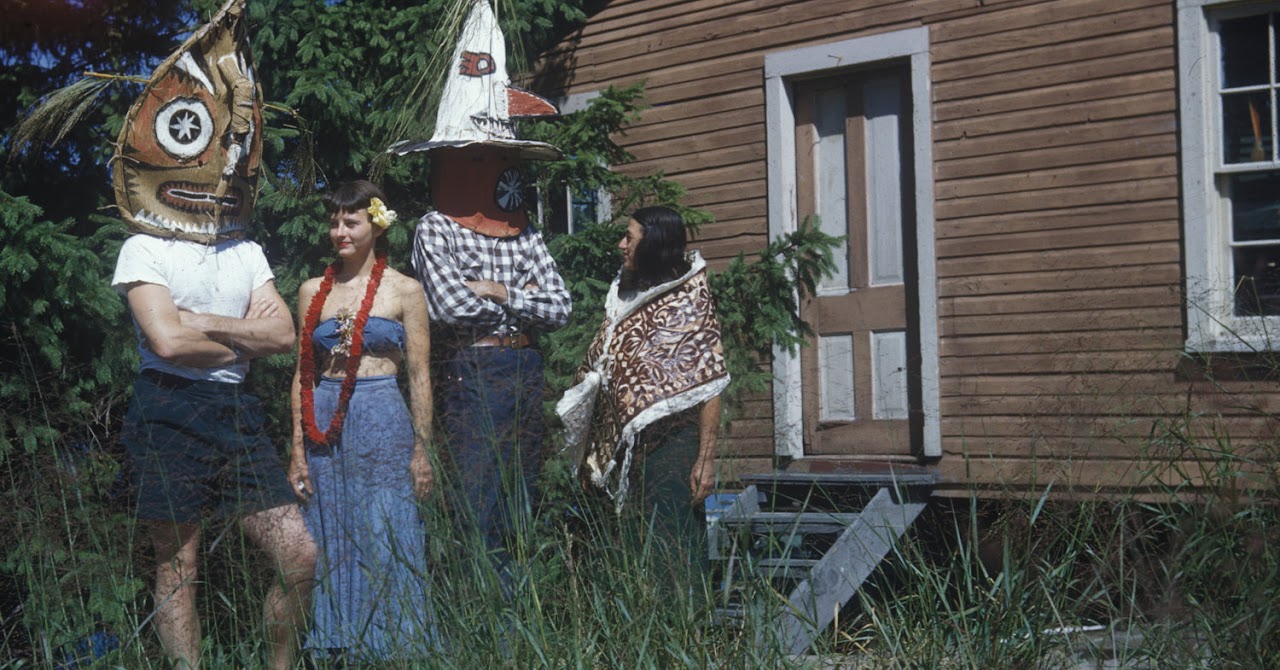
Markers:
point(658, 353)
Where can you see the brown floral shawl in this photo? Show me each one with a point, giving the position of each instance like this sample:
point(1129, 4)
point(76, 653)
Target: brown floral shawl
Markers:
point(657, 354)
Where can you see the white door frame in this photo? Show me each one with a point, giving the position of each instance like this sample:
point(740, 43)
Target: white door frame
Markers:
point(780, 69)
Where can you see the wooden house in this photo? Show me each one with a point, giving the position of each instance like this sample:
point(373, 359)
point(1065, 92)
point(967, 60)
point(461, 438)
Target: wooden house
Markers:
point(1063, 221)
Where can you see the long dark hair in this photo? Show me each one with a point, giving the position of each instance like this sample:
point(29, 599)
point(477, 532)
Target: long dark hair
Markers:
point(660, 253)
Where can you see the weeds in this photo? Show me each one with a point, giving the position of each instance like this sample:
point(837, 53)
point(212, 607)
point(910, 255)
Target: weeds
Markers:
point(590, 590)
point(1177, 579)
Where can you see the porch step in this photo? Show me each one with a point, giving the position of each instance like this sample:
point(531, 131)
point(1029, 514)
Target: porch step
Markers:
point(839, 490)
point(792, 522)
point(786, 568)
point(820, 534)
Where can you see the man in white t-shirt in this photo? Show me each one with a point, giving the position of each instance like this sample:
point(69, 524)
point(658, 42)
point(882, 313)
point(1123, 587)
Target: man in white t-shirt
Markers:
point(195, 440)
point(204, 303)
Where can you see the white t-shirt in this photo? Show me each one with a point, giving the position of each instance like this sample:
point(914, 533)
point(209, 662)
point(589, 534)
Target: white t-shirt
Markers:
point(207, 279)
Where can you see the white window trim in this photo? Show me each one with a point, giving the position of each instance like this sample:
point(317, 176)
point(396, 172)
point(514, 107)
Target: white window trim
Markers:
point(780, 70)
point(1211, 327)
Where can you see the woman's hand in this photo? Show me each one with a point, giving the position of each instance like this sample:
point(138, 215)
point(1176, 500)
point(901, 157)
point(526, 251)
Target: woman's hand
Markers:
point(702, 480)
point(424, 477)
point(300, 479)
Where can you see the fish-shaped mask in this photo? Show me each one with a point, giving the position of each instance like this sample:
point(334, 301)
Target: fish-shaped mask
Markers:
point(186, 164)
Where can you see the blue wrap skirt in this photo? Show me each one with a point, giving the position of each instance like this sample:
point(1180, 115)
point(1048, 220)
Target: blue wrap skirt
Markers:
point(372, 598)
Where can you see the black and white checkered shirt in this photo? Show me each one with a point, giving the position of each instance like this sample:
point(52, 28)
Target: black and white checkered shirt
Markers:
point(445, 255)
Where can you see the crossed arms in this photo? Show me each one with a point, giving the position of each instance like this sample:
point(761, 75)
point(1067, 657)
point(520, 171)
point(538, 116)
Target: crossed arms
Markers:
point(539, 299)
point(207, 340)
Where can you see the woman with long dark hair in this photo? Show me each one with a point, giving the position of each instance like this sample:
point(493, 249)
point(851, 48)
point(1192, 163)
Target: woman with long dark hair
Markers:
point(643, 419)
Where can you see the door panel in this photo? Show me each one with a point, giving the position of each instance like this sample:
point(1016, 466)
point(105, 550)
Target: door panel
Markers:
point(853, 170)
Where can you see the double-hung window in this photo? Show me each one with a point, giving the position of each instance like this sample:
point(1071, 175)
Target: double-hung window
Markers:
point(1229, 77)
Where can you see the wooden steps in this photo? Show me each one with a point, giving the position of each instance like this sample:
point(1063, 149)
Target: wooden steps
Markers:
point(816, 536)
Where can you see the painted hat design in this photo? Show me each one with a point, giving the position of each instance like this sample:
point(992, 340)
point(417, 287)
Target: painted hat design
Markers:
point(479, 102)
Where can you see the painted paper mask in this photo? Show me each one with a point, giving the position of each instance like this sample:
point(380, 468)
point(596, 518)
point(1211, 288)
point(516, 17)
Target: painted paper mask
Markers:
point(475, 152)
point(187, 160)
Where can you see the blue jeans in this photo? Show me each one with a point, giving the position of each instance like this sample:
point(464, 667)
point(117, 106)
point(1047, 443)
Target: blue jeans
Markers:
point(491, 399)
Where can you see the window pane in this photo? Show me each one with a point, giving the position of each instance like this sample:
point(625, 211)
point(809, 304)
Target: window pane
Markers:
point(586, 206)
point(1246, 127)
point(831, 178)
point(1255, 206)
point(1257, 280)
point(1245, 58)
point(555, 210)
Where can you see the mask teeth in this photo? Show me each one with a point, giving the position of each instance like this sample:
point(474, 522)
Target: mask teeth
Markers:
point(208, 228)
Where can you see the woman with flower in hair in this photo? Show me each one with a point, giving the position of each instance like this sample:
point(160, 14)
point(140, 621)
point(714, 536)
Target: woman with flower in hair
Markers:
point(360, 454)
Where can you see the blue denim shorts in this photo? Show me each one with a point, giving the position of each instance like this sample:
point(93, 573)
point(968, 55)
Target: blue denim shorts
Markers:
point(198, 448)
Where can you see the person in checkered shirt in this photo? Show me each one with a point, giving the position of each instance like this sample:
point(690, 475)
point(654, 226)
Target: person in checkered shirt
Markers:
point(491, 286)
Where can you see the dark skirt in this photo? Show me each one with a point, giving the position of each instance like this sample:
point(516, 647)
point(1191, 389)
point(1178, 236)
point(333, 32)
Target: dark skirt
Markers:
point(666, 452)
point(372, 588)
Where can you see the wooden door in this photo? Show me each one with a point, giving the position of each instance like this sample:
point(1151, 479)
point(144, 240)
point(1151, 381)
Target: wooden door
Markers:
point(854, 171)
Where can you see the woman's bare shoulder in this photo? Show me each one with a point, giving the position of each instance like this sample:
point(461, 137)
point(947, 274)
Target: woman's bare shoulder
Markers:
point(402, 283)
point(310, 286)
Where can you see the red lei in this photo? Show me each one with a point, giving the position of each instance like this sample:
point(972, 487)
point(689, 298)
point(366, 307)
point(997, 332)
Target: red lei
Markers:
point(307, 363)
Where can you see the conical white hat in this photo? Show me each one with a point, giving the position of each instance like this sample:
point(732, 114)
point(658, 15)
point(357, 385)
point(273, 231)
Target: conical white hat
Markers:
point(478, 101)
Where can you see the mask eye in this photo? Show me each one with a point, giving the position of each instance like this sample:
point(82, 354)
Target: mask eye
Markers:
point(184, 128)
point(509, 192)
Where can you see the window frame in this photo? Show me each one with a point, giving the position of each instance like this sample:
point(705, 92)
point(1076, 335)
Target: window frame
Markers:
point(566, 105)
point(1212, 325)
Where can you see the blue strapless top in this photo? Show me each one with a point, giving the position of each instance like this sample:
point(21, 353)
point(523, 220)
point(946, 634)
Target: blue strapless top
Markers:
point(379, 334)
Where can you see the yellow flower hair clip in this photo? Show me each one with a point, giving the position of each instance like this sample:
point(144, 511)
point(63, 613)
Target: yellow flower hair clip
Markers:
point(379, 215)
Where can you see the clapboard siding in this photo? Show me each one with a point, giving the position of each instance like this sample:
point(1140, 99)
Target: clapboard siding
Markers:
point(991, 262)
point(1066, 95)
point(1017, 304)
point(1058, 232)
point(1048, 240)
point(1015, 162)
point(1035, 475)
point(1143, 126)
point(1061, 197)
point(1167, 274)
point(1066, 220)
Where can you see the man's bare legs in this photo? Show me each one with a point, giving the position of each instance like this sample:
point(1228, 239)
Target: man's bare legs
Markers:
point(283, 534)
point(177, 548)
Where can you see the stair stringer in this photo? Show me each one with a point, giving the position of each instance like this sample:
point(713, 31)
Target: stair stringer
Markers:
point(839, 574)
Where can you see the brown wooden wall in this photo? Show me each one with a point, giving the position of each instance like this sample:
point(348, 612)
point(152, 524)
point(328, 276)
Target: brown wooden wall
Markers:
point(1056, 202)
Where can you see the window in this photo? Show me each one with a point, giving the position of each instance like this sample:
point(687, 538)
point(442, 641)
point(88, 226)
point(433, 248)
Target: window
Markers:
point(566, 209)
point(1231, 173)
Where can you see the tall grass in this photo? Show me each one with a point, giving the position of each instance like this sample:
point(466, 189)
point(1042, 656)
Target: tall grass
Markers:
point(1173, 580)
point(1165, 577)
point(591, 589)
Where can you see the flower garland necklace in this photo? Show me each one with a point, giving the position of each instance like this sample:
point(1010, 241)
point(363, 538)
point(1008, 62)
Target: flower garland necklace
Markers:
point(355, 348)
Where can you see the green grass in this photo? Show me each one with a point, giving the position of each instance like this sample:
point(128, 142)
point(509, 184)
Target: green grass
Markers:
point(1175, 577)
point(594, 590)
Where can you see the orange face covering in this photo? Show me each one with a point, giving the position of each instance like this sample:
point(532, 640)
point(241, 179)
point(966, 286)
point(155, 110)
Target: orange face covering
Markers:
point(480, 187)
